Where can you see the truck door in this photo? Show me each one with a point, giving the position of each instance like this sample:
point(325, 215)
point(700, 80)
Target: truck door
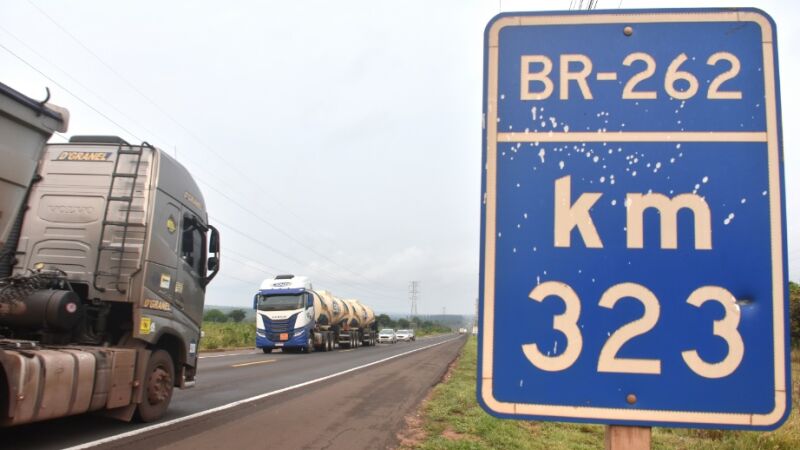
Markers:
point(164, 242)
point(310, 313)
point(190, 286)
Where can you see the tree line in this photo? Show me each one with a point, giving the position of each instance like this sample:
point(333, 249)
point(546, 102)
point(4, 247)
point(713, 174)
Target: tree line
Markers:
point(794, 313)
point(428, 326)
point(217, 316)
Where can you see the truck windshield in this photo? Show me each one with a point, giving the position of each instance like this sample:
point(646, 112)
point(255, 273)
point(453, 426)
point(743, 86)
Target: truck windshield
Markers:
point(280, 302)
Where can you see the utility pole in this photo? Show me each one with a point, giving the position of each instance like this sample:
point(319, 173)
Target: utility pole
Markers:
point(413, 294)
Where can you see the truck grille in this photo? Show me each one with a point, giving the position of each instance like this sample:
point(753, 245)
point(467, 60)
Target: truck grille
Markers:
point(278, 326)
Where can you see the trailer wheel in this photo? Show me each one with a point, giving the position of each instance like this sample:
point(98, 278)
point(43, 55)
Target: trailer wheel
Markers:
point(158, 386)
point(266, 350)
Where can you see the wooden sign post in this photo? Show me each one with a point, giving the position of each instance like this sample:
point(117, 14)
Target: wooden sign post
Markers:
point(620, 437)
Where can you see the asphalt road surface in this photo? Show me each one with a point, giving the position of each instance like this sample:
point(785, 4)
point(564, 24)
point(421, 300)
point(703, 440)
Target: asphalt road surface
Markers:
point(354, 399)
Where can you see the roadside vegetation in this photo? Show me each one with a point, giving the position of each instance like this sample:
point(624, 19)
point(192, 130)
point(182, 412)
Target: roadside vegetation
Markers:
point(421, 327)
point(215, 315)
point(228, 331)
point(452, 418)
point(227, 335)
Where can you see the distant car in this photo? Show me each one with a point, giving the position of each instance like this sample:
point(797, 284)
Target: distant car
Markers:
point(405, 335)
point(387, 335)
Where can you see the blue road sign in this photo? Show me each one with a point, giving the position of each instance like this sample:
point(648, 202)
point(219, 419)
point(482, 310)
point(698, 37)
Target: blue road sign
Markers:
point(633, 262)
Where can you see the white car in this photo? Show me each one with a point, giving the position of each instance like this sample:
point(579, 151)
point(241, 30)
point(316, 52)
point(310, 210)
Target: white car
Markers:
point(387, 335)
point(405, 335)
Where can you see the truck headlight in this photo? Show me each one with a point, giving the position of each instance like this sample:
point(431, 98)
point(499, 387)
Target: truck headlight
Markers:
point(299, 332)
point(261, 333)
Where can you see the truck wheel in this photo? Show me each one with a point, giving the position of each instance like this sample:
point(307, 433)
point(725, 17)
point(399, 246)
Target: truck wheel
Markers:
point(309, 345)
point(266, 350)
point(158, 385)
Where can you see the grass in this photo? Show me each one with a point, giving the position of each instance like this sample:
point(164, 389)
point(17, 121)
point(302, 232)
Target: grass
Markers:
point(228, 335)
point(452, 419)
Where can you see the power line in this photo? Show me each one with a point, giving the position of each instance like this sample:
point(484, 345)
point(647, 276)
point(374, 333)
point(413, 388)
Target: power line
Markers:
point(198, 139)
point(328, 274)
point(69, 92)
point(271, 269)
point(81, 85)
point(166, 114)
point(225, 275)
point(135, 136)
point(256, 264)
point(130, 133)
point(118, 125)
point(271, 225)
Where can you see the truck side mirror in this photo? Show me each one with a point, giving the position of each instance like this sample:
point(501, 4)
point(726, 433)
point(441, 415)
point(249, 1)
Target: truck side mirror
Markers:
point(213, 242)
point(213, 261)
point(255, 301)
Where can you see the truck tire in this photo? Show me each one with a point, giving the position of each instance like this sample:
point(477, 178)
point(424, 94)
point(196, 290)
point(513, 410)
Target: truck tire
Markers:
point(158, 385)
point(266, 350)
point(309, 348)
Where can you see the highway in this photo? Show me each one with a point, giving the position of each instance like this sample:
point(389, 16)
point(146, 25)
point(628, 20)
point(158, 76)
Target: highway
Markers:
point(343, 399)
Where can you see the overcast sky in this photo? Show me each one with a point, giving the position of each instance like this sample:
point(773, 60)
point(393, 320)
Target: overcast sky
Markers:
point(340, 140)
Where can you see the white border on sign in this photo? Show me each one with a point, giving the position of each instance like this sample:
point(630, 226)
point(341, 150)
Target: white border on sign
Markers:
point(776, 219)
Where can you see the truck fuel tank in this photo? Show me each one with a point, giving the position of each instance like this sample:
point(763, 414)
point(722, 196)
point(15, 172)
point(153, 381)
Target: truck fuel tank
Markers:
point(52, 309)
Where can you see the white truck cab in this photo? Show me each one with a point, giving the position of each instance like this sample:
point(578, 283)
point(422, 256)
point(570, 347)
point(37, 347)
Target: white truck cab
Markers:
point(285, 313)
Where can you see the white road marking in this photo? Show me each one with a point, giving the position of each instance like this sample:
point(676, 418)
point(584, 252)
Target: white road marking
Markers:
point(245, 401)
point(227, 354)
point(254, 362)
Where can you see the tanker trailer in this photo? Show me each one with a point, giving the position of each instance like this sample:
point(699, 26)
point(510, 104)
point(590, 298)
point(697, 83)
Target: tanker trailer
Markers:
point(360, 327)
point(369, 327)
point(102, 275)
point(335, 309)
